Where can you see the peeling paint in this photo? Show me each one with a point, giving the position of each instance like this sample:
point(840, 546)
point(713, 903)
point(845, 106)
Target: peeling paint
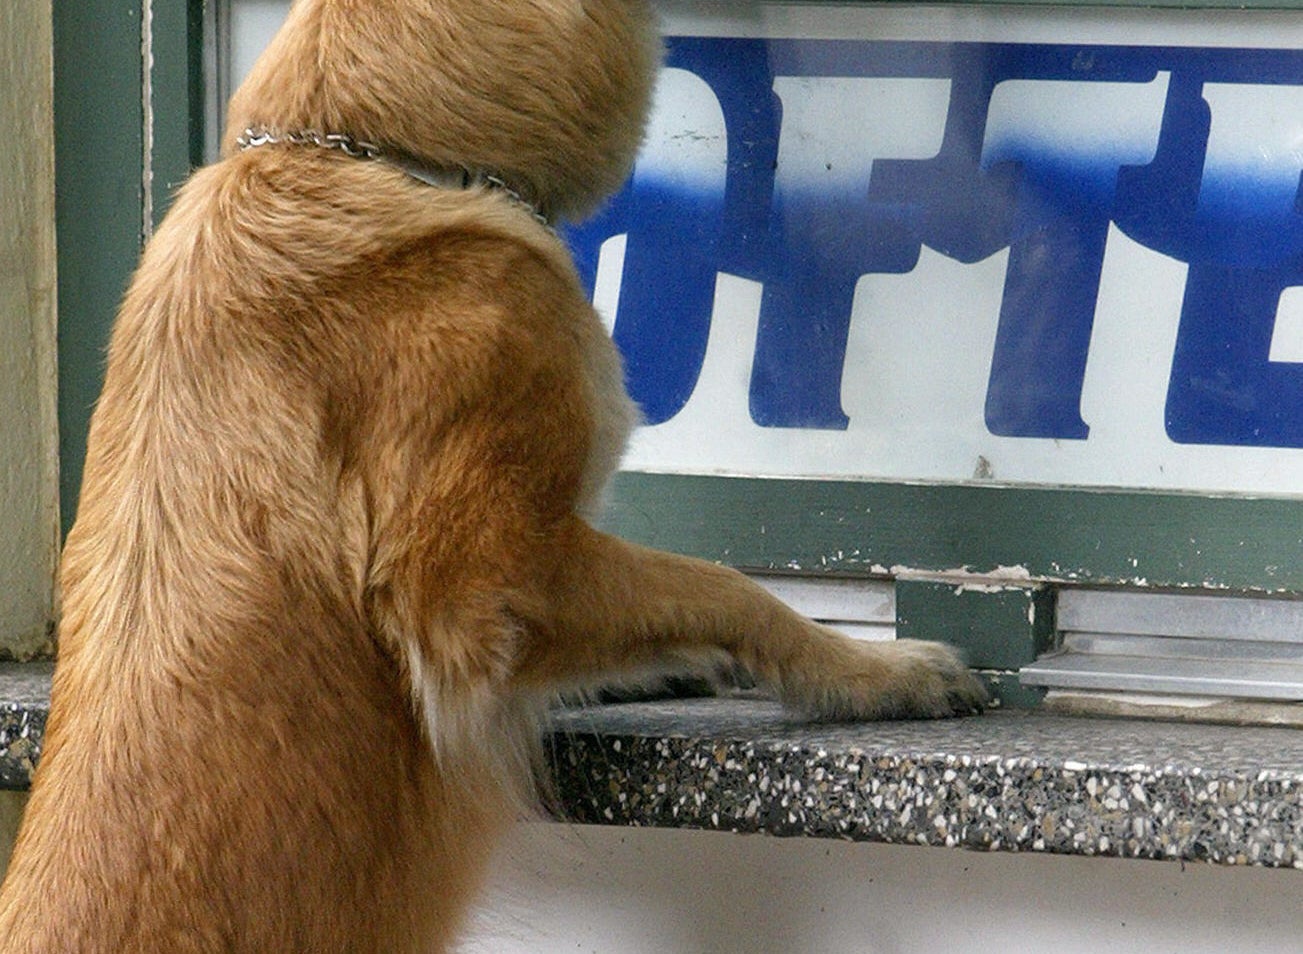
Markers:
point(1001, 577)
point(962, 588)
point(1004, 578)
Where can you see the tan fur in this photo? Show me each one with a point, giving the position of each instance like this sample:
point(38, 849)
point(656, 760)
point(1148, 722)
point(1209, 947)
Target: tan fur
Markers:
point(328, 559)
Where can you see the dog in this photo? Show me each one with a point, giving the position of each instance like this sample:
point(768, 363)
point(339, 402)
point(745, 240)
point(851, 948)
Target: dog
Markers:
point(334, 549)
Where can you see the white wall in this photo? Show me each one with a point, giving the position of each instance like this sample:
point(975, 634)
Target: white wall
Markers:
point(28, 414)
point(642, 891)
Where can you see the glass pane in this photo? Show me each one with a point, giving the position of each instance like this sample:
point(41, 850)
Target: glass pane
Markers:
point(251, 25)
point(960, 243)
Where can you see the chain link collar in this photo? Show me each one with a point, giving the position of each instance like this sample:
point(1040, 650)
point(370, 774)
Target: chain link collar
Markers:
point(442, 177)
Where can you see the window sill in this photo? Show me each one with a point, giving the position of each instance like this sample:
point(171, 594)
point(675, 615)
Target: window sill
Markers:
point(24, 706)
point(1012, 780)
point(1008, 780)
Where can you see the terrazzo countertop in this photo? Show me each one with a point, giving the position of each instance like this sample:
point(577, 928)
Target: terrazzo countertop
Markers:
point(1007, 780)
point(24, 704)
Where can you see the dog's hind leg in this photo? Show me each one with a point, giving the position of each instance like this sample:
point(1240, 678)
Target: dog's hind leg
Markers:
point(609, 606)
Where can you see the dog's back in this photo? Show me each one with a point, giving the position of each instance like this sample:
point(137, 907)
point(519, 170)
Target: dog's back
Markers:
point(283, 445)
point(330, 553)
point(328, 388)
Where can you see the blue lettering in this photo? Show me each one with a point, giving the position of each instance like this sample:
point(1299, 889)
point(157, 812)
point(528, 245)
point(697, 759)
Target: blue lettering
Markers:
point(817, 178)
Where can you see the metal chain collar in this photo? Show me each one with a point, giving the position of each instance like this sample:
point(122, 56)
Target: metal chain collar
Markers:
point(438, 176)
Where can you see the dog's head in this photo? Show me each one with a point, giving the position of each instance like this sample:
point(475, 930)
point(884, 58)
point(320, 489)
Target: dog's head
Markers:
point(549, 94)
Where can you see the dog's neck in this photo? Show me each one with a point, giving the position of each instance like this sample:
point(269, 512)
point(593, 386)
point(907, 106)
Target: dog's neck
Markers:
point(442, 177)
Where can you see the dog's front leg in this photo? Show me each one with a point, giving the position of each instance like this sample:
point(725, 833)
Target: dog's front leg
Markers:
point(608, 606)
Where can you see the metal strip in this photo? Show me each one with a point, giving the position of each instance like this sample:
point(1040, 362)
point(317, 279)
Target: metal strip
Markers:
point(1180, 614)
point(1196, 677)
point(863, 609)
point(1183, 644)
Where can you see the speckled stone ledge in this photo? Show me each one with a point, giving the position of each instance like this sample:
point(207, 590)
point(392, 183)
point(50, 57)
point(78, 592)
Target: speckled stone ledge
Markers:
point(24, 706)
point(1012, 780)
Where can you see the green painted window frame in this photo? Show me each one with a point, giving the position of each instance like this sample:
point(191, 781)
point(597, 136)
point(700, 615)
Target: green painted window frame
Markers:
point(922, 535)
point(104, 103)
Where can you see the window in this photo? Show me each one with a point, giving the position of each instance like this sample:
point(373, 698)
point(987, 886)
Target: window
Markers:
point(973, 308)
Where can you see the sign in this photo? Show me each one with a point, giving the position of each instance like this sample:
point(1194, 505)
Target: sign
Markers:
point(955, 246)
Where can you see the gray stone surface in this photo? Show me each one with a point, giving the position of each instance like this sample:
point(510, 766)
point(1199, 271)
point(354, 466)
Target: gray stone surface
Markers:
point(1016, 781)
point(24, 705)
point(1007, 780)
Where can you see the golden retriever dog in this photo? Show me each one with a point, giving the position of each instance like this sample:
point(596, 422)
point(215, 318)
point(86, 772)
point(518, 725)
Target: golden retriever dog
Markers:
point(331, 558)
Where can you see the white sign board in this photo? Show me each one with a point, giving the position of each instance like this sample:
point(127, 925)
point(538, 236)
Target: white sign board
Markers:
point(964, 243)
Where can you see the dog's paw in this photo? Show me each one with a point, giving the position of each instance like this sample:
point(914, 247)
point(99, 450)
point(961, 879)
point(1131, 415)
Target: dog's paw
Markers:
point(905, 679)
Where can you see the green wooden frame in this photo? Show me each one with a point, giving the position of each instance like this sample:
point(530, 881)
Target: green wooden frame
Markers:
point(961, 531)
point(931, 537)
point(100, 114)
point(975, 566)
